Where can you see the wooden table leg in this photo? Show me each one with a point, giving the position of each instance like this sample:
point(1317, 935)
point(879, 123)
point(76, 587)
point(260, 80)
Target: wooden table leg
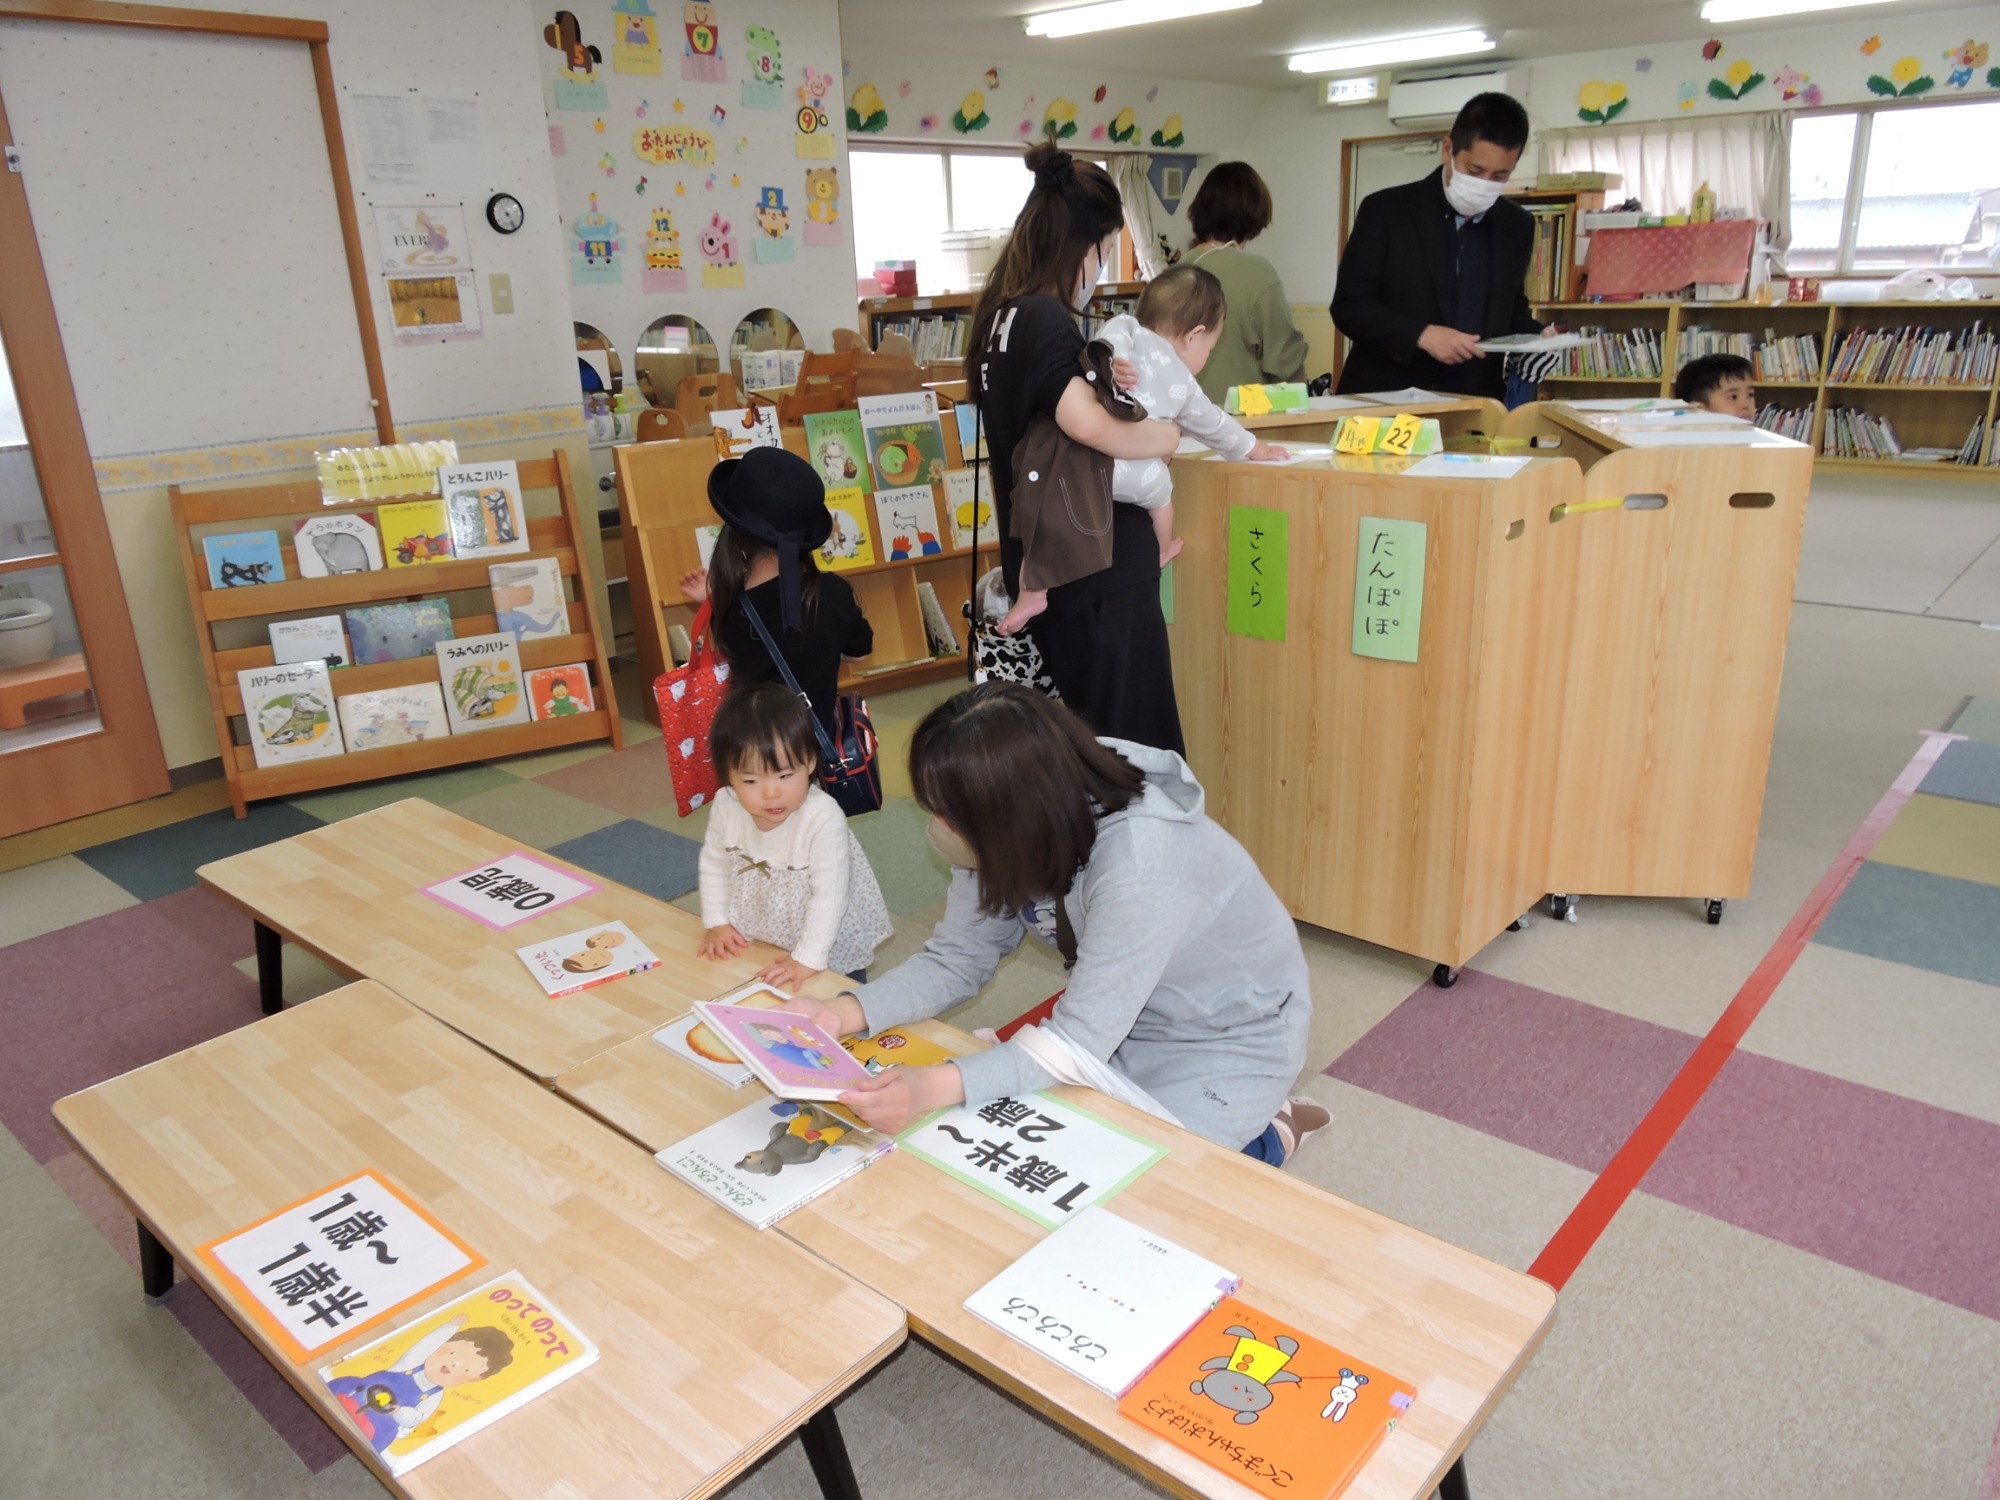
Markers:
point(826, 1451)
point(1453, 1485)
point(156, 1266)
point(270, 969)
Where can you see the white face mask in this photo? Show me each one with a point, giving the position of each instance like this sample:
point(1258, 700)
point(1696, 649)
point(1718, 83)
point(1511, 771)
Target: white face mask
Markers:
point(1088, 284)
point(1471, 196)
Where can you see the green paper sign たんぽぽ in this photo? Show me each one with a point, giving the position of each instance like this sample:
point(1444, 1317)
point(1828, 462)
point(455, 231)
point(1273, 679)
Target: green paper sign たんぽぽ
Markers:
point(1389, 588)
point(1259, 567)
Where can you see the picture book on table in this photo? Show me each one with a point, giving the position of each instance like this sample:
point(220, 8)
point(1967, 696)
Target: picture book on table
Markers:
point(289, 711)
point(794, 1058)
point(690, 1038)
point(1268, 1404)
point(246, 558)
point(397, 632)
point(849, 545)
point(559, 692)
point(317, 639)
point(737, 432)
point(483, 508)
point(836, 450)
point(1103, 1298)
point(596, 955)
point(905, 438)
point(528, 598)
point(393, 716)
point(773, 1156)
point(907, 522)
point(414, 532)
point(329, 545)
point(433, 1383)
point(967, 514)
point(481, 675)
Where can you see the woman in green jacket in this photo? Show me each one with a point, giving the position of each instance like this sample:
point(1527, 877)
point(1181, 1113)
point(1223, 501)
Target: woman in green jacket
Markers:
point(1260, 343)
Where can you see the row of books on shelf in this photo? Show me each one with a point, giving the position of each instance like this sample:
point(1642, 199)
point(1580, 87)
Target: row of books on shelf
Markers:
point(937, 336)
point(1794, 422)
point(477, 513)
point(1549, 258)
point(1916, 356)
point(1771, 355)
point(1851, 433)
point(1608, 354)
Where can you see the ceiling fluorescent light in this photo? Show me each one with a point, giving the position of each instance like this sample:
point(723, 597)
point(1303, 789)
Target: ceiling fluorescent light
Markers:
point(1112, 14)
point(1720, 11)
point(1395, 49)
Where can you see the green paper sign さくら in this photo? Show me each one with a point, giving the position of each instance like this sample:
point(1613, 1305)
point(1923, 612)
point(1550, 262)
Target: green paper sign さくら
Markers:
point(1259, 572)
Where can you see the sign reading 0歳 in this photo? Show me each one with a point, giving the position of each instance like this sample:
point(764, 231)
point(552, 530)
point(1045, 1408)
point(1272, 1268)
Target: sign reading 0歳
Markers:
point(346, 1258)
point(1389, 588)
point(1259, 567)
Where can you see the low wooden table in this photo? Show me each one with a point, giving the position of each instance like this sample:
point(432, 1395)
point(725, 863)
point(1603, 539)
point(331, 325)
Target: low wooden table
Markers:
point(698, 1316)
point(1457, 1327)
point(353, 893)
point(21, 688)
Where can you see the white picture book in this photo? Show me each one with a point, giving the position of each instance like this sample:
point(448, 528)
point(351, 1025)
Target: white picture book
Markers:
point(705, 538)
point(393, 716)
point(1103, 1298)
point(1409, 394)
point(1531, 343)
point(328, 545)
point(594, 955)
point(1465, 466)
point(737, 432)
point(289, 711)
point(967, 508)
point(482, 505)
point(481, 677)
point(528, 598)
point(773, 1156)
point(1629, 403)
point(690, 1037)
point(907, 522)
point(318, 639)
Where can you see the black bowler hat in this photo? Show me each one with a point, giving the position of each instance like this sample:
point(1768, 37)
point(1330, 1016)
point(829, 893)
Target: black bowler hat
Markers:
point(772, 496)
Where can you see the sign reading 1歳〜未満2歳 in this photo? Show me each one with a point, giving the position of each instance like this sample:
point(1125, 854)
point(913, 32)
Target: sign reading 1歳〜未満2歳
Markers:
point(1389, 588)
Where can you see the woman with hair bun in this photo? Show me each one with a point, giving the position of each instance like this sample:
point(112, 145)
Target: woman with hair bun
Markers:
point(1102, 638)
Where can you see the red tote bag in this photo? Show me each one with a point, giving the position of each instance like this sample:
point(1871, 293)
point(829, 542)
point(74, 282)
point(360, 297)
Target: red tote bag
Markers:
point(688, 697)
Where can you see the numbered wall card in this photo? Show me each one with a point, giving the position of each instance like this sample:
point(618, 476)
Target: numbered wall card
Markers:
point(1389, 588)
point(1039, 1156)
point(1259, 567)
point(1103, 1298)
point(343, 1259)
point(509, 890)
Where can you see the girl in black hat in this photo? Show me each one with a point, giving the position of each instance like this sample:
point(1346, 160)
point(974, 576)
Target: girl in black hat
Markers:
point(773, 509)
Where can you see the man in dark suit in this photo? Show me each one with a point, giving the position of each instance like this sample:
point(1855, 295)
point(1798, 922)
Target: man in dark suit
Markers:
point(1434, 266)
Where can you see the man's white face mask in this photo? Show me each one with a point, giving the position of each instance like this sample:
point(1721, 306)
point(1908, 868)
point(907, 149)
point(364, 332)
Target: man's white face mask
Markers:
point(1470, 196)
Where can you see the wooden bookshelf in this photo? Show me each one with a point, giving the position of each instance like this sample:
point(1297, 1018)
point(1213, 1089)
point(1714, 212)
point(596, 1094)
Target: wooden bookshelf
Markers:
point(227, 648)
point(1928, 413)
point(876, 313)
point(1556, 231)
point(663, 498)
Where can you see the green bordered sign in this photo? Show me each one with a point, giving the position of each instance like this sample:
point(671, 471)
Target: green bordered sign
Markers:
point(1389, 588)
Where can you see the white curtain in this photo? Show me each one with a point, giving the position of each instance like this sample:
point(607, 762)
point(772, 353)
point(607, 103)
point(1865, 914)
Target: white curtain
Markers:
point(1129, 172)
point(1746, 160)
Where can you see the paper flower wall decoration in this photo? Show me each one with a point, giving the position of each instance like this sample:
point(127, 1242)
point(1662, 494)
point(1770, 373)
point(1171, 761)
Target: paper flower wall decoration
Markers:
point(1965, 59)
point(1169, 135)
point(1098, 97)
point(971, 116)
point(1125, 125)
point(1870, 46)
point(1795, 87)
point(1906, 80)
point(1059, 119)
point(1689, 92)
point(1598, 102)
point(1711, 49)
point(866, 112)
point(1738, 80)
point(993, 78)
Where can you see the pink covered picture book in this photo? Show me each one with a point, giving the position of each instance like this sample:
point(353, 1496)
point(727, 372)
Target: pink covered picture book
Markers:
point(794, 1058)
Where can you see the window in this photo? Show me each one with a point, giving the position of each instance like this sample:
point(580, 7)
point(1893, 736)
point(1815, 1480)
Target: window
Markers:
point(932, 206)
point(1887, 189)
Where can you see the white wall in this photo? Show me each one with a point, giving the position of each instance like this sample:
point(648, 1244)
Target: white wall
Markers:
point(180, 195)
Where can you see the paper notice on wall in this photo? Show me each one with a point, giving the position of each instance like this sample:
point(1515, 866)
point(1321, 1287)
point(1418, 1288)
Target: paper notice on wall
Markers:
point(388, 141)
point(454, 143)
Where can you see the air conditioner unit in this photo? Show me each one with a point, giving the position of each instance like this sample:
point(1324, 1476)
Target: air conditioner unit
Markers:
point(1430, 101)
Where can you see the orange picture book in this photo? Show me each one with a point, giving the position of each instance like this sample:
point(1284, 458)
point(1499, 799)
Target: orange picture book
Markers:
point(1273, 1408)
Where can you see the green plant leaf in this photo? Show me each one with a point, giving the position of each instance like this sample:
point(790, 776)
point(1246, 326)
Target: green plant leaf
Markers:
point(1717, 89)
point(1750, 83)
point(1590, 116)
point(1877, 84)
point(1918, 86)
point(1617, 109)
point(1993, 78)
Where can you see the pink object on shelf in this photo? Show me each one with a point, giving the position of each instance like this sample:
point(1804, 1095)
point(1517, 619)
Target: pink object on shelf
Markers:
point(1643, 262)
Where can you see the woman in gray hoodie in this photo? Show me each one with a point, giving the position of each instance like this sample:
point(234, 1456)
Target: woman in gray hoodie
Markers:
point(1188, 979)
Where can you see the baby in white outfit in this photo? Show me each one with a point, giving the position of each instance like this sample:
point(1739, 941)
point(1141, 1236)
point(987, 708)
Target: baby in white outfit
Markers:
point(1178, 325)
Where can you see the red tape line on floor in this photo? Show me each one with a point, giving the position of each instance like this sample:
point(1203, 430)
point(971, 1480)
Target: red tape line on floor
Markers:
point(1593, 1213)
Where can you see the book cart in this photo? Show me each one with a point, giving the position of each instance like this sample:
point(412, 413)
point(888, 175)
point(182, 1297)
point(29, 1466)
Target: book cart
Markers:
point(221, 616)
point(663, 498)
point(1662, 335)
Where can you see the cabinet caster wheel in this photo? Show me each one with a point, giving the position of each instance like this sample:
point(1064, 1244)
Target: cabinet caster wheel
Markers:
point(1715, 913)
point(1517, 924)
point(1444, 976)
point(1562, 906)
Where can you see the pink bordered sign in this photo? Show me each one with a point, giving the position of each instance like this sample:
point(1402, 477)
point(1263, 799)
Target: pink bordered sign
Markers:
point(507, 891)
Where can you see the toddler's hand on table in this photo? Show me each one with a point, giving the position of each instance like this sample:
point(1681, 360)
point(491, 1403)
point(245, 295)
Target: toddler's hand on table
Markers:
point(1267, 453)
point(787, 974)
point(721, 942)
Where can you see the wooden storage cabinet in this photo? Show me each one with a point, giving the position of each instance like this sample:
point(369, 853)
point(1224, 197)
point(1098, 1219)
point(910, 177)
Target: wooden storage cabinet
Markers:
point(198, 513)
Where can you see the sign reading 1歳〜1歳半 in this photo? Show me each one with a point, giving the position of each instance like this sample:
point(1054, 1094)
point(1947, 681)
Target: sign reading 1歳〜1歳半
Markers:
point(1389, 588)
point(1259, 567)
